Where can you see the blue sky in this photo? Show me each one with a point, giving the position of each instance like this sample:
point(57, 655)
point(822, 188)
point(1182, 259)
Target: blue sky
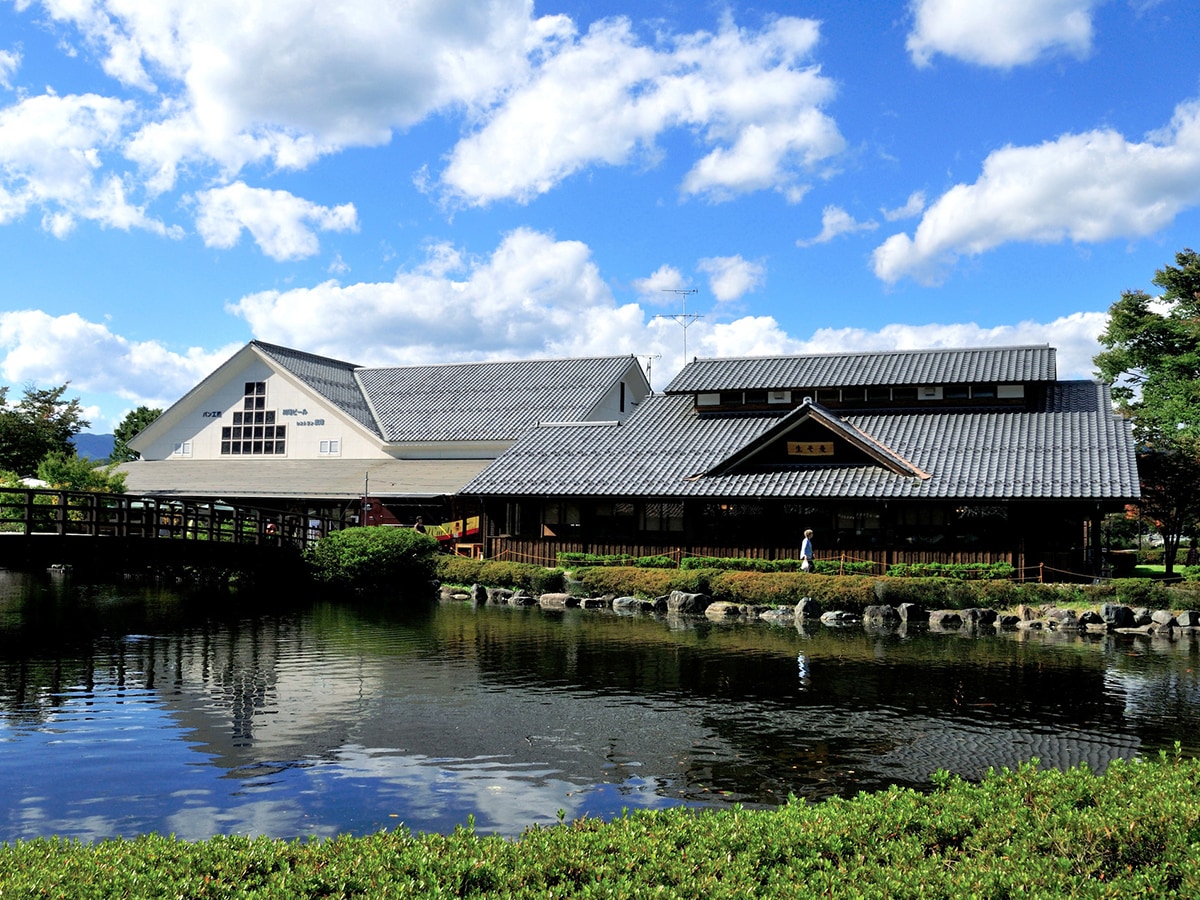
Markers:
point(449, 180)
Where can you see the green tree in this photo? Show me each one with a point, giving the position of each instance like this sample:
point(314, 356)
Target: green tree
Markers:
point(42, 422)
point(1152, 358)
point(72, 473)
point(134, 422)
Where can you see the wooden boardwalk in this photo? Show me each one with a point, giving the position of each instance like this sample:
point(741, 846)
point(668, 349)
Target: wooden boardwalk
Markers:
point(46, 528)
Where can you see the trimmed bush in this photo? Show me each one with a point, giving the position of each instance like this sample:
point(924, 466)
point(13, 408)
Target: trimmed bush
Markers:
point(615, 559)
point(962, 571)
point(1142, 592)
point(373, 557)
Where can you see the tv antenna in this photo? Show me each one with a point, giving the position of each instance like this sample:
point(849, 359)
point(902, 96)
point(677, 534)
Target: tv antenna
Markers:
point(649, 357)
point(686, 319)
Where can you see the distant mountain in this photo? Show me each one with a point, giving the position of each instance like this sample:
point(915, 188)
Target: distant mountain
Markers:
point(94, 446)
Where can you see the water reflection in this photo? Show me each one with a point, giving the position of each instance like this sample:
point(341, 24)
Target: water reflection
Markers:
point(129, 709)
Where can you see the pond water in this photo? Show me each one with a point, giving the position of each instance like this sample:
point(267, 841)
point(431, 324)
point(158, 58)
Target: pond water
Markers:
point(129, 709)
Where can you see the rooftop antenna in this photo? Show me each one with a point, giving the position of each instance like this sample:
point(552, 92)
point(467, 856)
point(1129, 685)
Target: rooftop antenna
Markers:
point(685, 318)
point(649, 357)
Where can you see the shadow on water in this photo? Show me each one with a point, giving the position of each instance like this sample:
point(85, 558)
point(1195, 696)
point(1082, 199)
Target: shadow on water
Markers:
point(131, 708)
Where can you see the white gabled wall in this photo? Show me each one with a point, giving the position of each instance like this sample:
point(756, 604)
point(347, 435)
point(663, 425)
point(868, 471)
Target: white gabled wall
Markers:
point(199, 417)
point(609, 408)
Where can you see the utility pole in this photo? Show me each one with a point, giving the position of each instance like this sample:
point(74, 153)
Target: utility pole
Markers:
point(685, 318)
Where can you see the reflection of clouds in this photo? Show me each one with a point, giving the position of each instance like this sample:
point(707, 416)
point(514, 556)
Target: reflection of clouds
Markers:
point(504, 796)
point(258, 817)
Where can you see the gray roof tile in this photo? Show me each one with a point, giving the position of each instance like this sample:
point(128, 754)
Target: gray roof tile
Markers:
point(331, 378)
point(1003, 365)
point(1073, 447)
point(491, 401)
point(487, 401)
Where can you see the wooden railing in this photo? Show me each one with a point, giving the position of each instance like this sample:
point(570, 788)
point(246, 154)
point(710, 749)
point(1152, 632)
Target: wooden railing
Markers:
point(36, 511)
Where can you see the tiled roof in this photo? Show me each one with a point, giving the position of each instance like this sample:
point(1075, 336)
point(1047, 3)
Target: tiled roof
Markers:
point(1003, 365)
point(1073, 447)
point(332, 379)
point(490, 401)
point(318, 479)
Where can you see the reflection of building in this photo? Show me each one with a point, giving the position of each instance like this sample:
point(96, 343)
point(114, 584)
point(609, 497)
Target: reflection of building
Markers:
point(279, 428)
point(940, 455)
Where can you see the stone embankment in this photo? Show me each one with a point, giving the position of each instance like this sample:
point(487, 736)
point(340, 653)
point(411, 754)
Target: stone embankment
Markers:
point(1110, 617)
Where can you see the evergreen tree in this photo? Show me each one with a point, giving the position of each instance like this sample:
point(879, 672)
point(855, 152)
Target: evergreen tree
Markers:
point(134, 421)
point(41, 423)
point(1152, 357)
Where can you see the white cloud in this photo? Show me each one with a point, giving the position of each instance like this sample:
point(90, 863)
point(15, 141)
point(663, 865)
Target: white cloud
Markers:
point(731, 277)
point(604, 98)
point(655, 288)
point(914, 206)
point(47, 350)
point(835, 222)
point(52, 153)
point(1075, 337)
point(1000, 33)
point(292, 81)
point(9, 63)
point(1081, 187)
point(533, 296)
point(278, 221)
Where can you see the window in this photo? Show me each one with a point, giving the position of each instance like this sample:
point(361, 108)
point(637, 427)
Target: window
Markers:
point(254, 432)
point(983, 391)
point(829, 395)
point(332, 447)
point(879, 394)
point(662, 517)
point(755, 398)
point(182, 448)
point(622, 396)
point(904, 393)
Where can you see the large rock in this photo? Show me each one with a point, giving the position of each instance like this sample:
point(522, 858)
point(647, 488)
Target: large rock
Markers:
point(945, 619)
point(880, 616)
point(1189, 618)
point(1163, 617)
point(499, 596)
point(912, 613)
point(557, 601)
point(975, 617)
point(779, 614)
point(1116, 615)
point(808, 608)
point(838, 617)
point(682, 602)
point(722, 611)
point(479, 594)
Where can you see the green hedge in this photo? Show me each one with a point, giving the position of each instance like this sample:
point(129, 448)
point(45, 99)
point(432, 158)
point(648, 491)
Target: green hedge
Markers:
point(747, 564)
point(581, 560)
point(1019, 833)
point(962, 571)
point(632, 581)
point(528, 577)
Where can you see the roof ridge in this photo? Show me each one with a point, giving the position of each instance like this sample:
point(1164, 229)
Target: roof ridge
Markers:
point(922, 351)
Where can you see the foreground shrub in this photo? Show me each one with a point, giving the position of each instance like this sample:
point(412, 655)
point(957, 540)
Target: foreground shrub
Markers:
point(372, 557)
point(1019, 833)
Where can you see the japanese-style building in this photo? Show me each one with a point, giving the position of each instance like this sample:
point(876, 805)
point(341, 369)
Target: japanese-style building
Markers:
point(346, 444)
point(968, 455)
